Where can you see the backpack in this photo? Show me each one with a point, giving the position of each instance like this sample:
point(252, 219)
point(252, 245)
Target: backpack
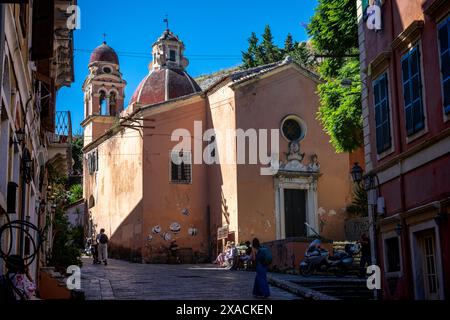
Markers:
point(103, 239)
point(266, 255)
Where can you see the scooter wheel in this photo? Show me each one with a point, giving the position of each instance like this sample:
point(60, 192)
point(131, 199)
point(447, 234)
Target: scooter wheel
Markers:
point(306, 270)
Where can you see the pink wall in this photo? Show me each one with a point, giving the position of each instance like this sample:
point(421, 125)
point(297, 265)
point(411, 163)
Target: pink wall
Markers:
point(164, 201)
point(259, 105)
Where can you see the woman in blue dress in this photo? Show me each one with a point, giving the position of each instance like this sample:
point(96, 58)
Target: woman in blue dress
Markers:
point(261, 287)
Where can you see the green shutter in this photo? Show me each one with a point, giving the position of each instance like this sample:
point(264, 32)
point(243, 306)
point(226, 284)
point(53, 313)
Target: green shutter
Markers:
point(365, 4)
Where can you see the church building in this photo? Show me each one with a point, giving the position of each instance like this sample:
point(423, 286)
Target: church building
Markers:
point(144, 199)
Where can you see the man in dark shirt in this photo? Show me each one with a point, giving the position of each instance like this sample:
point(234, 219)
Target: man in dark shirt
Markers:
point(365, 254)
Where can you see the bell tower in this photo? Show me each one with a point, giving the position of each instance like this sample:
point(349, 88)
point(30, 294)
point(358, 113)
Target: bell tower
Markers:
point(104, 93)
point(168, 51)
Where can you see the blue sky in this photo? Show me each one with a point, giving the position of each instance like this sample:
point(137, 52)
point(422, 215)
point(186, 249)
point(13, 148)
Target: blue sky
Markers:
point(214, 33)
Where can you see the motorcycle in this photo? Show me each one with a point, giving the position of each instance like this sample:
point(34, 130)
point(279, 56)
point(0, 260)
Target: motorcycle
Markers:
point(318, 259)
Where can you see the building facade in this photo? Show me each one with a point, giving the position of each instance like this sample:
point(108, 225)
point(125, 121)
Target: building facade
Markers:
point(405, 63)
point(36, 60)
point(144, 199)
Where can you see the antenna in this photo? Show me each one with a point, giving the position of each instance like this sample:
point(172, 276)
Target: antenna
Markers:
point(104, 37)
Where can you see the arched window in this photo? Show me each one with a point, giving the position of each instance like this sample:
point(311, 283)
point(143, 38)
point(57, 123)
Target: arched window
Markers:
point(91, 202)
point(112, 104)
point(103, 103)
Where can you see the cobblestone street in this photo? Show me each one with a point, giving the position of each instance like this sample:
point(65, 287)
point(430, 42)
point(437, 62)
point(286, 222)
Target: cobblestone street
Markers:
point(134, 281)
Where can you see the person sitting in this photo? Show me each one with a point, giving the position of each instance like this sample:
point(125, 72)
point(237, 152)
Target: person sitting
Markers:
point(232, 257)
point(17, 283)
point(246, 258)
point(221, 258)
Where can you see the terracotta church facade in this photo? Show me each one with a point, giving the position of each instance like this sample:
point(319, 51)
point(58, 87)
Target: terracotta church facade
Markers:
point(144, 200)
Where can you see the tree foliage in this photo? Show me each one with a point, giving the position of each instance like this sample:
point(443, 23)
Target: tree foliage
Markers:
point(267, 51)
point(75, 193)
point(334, 33)
point(340, 108)
point(77, 154)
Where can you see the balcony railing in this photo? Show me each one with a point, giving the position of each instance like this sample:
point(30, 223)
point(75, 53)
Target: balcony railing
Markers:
point(63, 128)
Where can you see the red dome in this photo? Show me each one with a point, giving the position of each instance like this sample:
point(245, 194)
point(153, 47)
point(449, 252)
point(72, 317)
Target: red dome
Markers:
point(153, 88)
point(104, 53)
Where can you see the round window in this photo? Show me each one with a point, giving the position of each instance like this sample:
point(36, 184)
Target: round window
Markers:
point(107, 70)
point(292, 128)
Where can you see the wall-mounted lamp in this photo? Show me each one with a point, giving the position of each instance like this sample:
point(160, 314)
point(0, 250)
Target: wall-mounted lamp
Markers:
point(20, 137)
point(27, 166)
point(357, 173)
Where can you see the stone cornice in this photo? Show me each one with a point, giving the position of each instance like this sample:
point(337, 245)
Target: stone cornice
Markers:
point(380, 63)
point(437, 9)
point(408, 36)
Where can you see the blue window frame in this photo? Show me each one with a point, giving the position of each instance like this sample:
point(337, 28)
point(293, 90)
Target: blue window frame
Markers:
point(412, 91)
point(382, 118)
point(444, 51)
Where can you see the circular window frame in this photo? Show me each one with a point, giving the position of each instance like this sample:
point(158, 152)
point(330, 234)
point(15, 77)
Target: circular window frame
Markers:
point(107, 68)
point(301, 123)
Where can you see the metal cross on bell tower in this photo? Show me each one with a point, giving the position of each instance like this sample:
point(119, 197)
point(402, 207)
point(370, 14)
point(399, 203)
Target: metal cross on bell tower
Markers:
point(166, 21)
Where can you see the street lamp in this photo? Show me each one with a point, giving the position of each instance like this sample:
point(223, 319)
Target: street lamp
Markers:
point(27, 166)
point(357, 173)
point(20, 137)
point(371, 186)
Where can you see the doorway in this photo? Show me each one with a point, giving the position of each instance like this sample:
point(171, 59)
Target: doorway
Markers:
point(295, 212)
point(426, 258)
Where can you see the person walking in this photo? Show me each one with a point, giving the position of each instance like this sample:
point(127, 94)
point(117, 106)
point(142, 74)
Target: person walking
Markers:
point(102, 240)
point(365, 254)
point(260, 287)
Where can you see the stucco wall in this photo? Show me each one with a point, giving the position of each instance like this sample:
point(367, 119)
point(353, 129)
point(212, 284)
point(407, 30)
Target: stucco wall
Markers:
point(259, 105)
point(164, 201)
point(117, 188)
point(223, 177)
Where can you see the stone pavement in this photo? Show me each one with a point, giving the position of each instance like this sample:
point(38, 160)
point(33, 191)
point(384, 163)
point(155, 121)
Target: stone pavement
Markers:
point(135, 281)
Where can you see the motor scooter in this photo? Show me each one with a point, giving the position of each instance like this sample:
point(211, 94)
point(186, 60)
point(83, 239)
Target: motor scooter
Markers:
point(319, 259)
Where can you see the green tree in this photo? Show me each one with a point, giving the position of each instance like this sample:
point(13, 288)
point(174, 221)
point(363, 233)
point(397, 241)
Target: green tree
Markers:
point(340, 108)
point(334, 33)
point(267, 52)
point(77, 154)
point(252, 57)
point(289, 44)
point(270, 52)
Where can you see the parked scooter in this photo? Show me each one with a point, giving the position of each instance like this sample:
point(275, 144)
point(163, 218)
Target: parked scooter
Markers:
point(318, 259)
